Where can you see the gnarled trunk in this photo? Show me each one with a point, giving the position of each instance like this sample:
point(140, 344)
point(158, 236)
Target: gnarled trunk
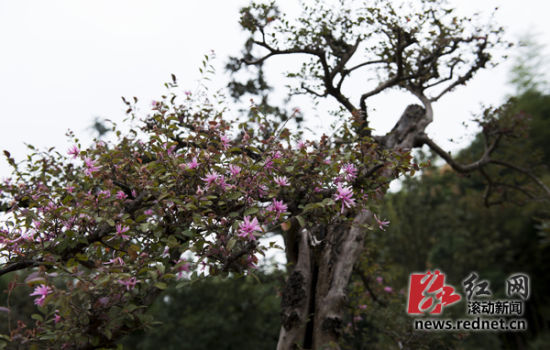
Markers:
point(314, 297)
point(296, 298)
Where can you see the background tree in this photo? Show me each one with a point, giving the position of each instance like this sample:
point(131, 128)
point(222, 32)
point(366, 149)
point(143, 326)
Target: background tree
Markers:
point(216, 313)
point(469, 228)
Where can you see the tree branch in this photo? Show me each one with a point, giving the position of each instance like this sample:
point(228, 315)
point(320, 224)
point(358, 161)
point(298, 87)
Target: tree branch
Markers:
point(523, 171)
point(20, 265)
point(461, 168)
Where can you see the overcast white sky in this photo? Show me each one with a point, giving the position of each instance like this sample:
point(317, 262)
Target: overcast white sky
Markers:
point(64, 62)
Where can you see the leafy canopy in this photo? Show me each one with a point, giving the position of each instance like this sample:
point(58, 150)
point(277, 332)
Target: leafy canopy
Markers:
point(184, 194)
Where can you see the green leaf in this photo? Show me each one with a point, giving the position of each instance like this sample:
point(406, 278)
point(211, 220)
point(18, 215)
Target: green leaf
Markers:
point(188, 233)
point(231, 243)
point(81, 257)
point(251, 211)
point(161, 285)
point(131, 307)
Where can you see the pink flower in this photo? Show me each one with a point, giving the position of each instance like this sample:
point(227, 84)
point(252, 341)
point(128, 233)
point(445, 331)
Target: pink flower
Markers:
point(210, 178)
point(88, 162)
point(28, 235)
point(379, 279)
point(301, 145)
point(225, 141)
point(42, 292)
point(129, 283)
point(69, 188)
point(381, 223)
point(120, 230)
point(148, 212)
point(281, 181)
point(245, 138)
point(344, 194)
point(357, 318)
point(181, 268)
point(363, 306)
point(262, 190)
point(388, 289)
point(223, 185)
point(57, 318)
point(192, 164)
point(73, 151)
point(268, 164)
point(350, 171)
point(169, 150)
point(247, 228)
point(121, 195)
point(278, 207)
point(155, 104)
point(116, 261)
point(90, 166)
point(234, 169)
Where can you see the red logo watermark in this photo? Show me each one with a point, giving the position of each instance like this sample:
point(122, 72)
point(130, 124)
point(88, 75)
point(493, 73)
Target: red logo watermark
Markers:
point(428, 293)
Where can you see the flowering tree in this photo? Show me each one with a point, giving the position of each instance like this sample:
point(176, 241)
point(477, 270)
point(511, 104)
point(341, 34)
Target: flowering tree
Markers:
point(187, 193)
point(183, 195)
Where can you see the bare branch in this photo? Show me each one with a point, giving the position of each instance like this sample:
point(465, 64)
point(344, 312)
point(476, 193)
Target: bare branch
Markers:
point(482, 59)
point(366, 63)
point(345, 59)
point(461, 168)
point(523, 171)
point(488, 189)
point(449, 77)
point(312, 92)
point(20, 265)
point(274, 52)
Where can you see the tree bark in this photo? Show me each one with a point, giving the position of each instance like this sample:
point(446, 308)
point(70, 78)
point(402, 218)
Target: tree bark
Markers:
point(314, 296)
point(296, 297)
point(340, 252)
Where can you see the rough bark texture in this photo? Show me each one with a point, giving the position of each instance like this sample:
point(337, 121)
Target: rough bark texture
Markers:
point(296, 297)
point(340, 251)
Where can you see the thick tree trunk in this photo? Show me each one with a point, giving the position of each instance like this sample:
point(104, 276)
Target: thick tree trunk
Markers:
point(340, 252)
point(313, 301)
point(296, 296)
